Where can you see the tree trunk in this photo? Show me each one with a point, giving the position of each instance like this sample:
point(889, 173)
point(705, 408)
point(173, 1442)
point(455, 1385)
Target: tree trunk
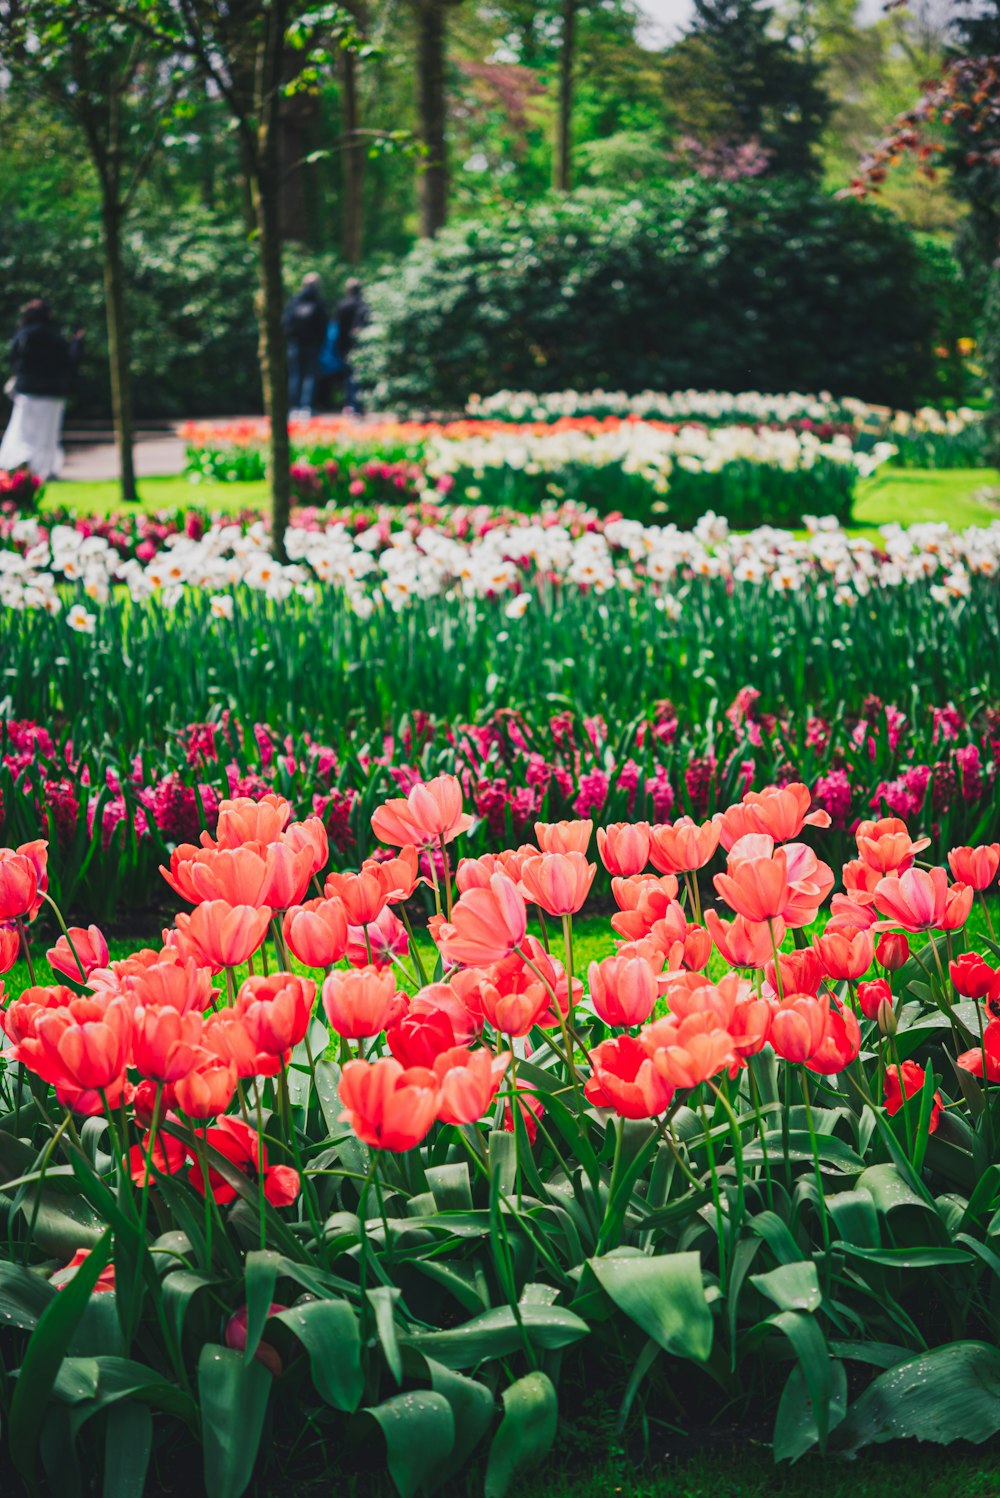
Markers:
point(265, 186)
point(118, 347)
point(273, 355)
point(562, 168)
point(353, 156)
point(432, 111)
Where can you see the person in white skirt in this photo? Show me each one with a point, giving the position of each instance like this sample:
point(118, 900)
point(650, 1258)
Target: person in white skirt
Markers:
point(43, 363)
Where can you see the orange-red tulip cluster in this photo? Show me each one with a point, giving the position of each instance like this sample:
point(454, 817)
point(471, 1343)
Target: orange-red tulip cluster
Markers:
point(177, 1034)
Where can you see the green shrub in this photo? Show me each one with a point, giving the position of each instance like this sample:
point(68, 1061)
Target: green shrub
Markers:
point(753, 285)
point(191, 281)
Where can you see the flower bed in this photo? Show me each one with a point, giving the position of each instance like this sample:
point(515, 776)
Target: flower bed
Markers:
point(927, 438)
point(115, 815)
point(458, 616)
point(753, 474)
point(424, 1211)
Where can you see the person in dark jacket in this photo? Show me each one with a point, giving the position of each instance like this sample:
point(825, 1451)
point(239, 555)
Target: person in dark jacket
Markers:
point(43, 363)
point(305, 323)
point(352, 314)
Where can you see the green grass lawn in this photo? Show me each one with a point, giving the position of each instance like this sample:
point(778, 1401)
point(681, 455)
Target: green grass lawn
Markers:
point(103, 497)
point(909, 495)
point(906, 495)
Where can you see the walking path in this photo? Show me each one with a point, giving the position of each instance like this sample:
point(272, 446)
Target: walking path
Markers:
point(92, 455)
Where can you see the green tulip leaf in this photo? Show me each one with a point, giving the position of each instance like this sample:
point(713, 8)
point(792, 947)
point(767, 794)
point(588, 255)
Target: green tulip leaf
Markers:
point(664, 1296)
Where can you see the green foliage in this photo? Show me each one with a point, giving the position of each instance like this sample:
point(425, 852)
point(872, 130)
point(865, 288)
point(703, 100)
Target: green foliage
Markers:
point(770, 286)
point(191, 281)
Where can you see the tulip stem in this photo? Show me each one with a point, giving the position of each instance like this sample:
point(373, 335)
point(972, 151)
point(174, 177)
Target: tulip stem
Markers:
point(716, 1197)
point(986, 913)
point(568, 1057)
point(415, 951)
point(65, 931)
point(824, 1219)
point(447, 878)
point(777, 965)
point(735, 1128)
point(761, 1129)
point(261, 1207)
point(23, 933)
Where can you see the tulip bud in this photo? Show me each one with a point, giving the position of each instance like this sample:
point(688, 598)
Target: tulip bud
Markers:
point(886, 1018)
point(892, 951)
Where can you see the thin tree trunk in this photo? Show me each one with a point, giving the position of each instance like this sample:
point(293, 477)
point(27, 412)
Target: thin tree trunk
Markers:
point(352, 237)
point(118, 347)
point(266, 190)
point(562, 167)
point(431, 107)
point(273, 355)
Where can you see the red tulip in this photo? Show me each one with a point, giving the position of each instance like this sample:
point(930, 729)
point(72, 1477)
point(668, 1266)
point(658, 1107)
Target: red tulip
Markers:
point(243, 820)
point(289, 870)
point(625, 1079)
point(782, 812)
point(873, 997)
point(847, 953)
point(756, 887)
point(18, 885)
point(558, 883)
point(165, 1043)
point(623, 990)
point(975, 866)
point(10, 946)
point(236, 875)
point(430, 813)
point(208, 1089)
point(800, 971)
point(469, 1081)
point(360, 1002)
point(388, 1107)
point(220, 935)
point(908, 1080)
point(363, 896)
point(624, 847)
point(399, 875)
point(486, 924)
point(921, 899)
point(309, 834)
point(681, 847)
point(18, 1020)
point(841, 1043)
point(168, 1158)
point(316, 932)
point(238, 1143)
point(972, 975)
point(90, 948)
point(744, 943)
point(750, 1023)
point(972, 1061)
point(105, 1280)
point(84, 1044)
point(429, 1028)
point(236, 1336)
point(276, 1010)
point(171, 982)
point(799, 1026)
point(630, 893)
point(564, 837)
point(688, 1053)
point(892, 951)
point(886, 845)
